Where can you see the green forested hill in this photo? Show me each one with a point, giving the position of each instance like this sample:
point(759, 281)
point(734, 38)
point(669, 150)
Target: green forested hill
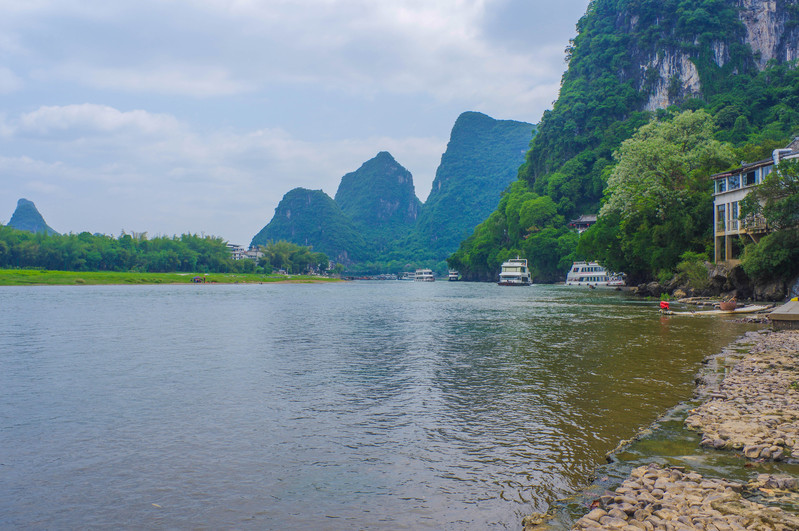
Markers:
point(634, 61)
point(312, 218)
point(377, 224)
point(380, 199)
point(26, 217)
point(482, 158)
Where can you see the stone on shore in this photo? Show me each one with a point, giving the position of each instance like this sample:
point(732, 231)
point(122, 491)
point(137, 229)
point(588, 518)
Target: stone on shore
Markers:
point(655, 498)
point(755, 409)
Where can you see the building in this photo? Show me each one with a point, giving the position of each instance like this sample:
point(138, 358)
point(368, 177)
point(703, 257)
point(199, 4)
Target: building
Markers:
point(729, 189)
point(236, 251)
point(254, 253)
point(583, 222)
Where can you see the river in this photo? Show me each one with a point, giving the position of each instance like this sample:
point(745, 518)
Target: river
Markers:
point(359, 405)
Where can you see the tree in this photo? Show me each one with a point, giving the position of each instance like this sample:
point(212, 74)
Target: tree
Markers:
point(658, 196)
point(663, 162)
point(777, 197)
point(775, 256)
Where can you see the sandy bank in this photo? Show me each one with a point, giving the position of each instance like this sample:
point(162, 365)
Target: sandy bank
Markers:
point(752, 411)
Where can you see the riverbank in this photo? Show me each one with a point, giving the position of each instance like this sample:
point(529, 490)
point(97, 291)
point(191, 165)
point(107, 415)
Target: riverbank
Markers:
point(749, 415)
point(38, 277)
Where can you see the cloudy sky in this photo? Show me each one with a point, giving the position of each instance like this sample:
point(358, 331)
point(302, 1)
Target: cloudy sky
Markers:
point(173, 116)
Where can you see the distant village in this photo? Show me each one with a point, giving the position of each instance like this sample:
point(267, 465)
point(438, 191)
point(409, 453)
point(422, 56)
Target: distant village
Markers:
point(239, 252)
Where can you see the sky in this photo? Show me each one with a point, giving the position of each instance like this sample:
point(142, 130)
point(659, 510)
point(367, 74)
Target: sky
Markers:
point(197, 116)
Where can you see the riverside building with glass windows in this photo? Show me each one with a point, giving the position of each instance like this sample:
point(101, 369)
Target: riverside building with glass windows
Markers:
point(729, 189)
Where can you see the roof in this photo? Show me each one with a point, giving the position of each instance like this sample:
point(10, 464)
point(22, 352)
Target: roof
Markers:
point(792, 151)
point(743, 169)
point(585, 218)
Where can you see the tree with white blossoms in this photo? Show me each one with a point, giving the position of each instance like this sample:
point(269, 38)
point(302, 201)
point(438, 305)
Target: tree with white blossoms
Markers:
point(658, 200)
point(663, 163)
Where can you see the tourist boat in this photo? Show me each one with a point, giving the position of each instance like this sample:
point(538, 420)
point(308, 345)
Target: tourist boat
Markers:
point(408, 275)
point(515, 273)
point(592, 274)
point(453, 276)
point(424, 275)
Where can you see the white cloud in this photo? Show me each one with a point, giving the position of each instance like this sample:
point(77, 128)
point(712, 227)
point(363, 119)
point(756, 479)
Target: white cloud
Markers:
point(218, 48)
point(195, 81)
point(199, 115)
point(151, 172)
point(95, 119)
point(9, 81)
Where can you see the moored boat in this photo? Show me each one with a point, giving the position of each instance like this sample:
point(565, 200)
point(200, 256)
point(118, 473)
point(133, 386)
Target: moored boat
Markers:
point(424, 275)
point(592, 274)
point(514, 272)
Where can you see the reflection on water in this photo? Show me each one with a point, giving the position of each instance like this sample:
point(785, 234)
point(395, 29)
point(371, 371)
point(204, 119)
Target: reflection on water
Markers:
point(366, 405)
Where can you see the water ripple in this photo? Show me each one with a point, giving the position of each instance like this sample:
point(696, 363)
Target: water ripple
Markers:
point(359, 405)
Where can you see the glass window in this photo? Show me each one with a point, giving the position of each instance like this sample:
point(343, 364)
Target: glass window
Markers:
point(734, 211)
point(720, 216)
point(750, 179)
point(721, 185)
point(735, 181)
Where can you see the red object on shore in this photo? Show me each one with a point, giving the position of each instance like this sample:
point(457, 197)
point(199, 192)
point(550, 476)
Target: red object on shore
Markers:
point(664, 305)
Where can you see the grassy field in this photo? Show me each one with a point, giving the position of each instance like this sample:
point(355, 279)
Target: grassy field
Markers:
point(34, 277)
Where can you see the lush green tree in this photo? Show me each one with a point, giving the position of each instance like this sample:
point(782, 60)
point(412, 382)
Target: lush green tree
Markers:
point(88, 252)
point(775, 256)
point(658, 201)
point(777, 197)
point(292, 258)
point(663, 163)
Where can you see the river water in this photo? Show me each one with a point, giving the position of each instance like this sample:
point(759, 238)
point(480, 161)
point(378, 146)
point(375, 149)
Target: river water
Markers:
point(360, 405)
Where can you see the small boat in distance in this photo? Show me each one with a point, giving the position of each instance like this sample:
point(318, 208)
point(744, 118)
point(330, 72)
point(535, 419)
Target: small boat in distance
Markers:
point(454, 276)
point(515, 273)
point(408, 275)
point(592, 274)
point(424, 275)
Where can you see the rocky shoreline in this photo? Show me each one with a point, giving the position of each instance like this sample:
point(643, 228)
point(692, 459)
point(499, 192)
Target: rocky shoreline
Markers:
point(750, 409)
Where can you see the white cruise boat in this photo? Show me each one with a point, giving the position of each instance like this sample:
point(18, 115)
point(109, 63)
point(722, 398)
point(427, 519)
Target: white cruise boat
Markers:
point(453, 276)
point(515, 273)
point(592, 274)
point(424, 275)
point(408, 275)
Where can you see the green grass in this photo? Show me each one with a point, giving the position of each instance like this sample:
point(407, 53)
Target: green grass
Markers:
point(34, 277)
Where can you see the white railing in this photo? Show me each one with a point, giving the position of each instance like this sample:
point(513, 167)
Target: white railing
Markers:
point(756, 224)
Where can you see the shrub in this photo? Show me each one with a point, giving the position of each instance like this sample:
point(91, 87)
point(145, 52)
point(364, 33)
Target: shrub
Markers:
point(775, 256)
point(693, 271)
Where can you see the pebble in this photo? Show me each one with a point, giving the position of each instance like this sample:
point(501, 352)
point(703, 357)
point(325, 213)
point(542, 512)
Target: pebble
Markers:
point(754, 410)
point(689, 501)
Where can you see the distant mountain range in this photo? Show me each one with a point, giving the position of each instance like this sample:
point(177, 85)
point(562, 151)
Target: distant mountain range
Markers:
point(26, 217)
point(376, 217)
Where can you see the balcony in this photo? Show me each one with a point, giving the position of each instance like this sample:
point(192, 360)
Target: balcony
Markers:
point(754, 225)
